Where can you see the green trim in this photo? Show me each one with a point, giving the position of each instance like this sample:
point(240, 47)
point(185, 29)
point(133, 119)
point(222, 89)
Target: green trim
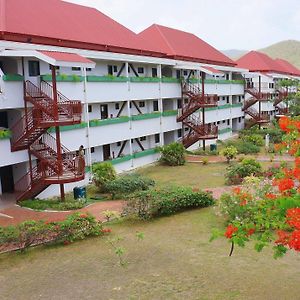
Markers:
point(170, 80)
point(225, 106)
point(146, 116)
point(144, 79)
point(5, 134)
point(222, 81)
point(145, 153)
point(121, 159)
point(63, 78)
point(94, 78)
point(95, 123)
point(69, 127)
point(237, 105)
point(168, 113)
point(225, 130)
point(12, 77)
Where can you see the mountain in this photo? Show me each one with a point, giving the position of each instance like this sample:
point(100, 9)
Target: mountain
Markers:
point(234, 53)
point(289, 50)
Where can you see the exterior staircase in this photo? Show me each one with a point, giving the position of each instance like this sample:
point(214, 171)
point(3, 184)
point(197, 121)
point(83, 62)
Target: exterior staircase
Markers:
point(257, 96)
point(281, 94)
point(196, 100)
point(54, 163)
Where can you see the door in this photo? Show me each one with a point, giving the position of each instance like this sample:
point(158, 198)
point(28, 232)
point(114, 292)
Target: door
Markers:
point(7, 179)
point(3, 119)
point(104, 111)
point(106, 152)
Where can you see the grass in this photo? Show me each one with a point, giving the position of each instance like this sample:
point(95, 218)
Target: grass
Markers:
point(174, 261)
point(191, 174)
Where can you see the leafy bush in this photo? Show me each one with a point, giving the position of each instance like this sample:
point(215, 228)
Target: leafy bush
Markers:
point(153, 203)
point(76, 226)
point(103, 172)
point(128, 184)
point(229, 153)
point(204, 153)
point(255, 139)
point(172, 154)
point(275, 133)
point(236, 173)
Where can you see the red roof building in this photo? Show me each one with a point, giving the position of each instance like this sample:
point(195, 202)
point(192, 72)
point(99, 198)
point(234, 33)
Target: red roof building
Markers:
point(182, 45)
point(291, 69)
point(59, 23)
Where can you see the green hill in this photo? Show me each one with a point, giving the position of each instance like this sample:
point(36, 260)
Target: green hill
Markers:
point(289, 50)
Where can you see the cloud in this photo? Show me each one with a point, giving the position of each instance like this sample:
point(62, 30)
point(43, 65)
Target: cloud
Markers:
point(224, 24)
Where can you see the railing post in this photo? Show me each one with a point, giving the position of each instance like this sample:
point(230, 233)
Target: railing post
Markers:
point(57, 132)
point(203, 108)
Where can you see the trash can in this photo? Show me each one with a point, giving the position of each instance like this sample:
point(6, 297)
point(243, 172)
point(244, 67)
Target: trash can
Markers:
point(213, 147)
point(79, 192)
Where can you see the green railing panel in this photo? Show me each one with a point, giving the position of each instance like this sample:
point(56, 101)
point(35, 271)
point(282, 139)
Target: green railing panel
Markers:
point(63, 78)
point(145, 153)
point(121, 159)
point(12, 77)
point(144, 79)
point(168, 113)
point(95, 123)
point(170, 80)
point(146, 116)
point(94, 78)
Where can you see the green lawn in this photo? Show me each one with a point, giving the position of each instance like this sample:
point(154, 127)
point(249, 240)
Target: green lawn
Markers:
point(174, 261)
point(191, 174)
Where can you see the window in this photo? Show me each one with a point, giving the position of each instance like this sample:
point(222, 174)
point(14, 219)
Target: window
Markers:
point(34, 68)
point(90, 109)
point(76, 68)
point(228, 122)
point(88, 69)
point(178, 75)
point(223, 98)
point(140, 70)
point(92, 149)
point(56, 68)
point(186, 129)
point(115, 69)
point(179, 133)
point(130, 104)
point(179, 103)
point(185, 72)
point(227, 99)
point(154, 72)
point(128, 69)
point(224, 121)
point(142, 104)
point(157, 138)
point(155, 105)
point(240, 119)
point(143, 138)
point(110, 70)
point(227, 76)
point(131, 141)
point(118, 144)
point(218, 122)
point(117, 105)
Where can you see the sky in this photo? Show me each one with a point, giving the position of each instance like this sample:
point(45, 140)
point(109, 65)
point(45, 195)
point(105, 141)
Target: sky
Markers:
point(225, 24)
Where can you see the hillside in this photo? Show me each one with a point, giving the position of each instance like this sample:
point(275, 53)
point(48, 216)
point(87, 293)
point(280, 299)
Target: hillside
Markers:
point(234, 53)
point(289, 50)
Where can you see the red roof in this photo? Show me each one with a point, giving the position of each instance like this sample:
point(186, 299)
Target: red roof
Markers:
point(183, 45)
point(212, 70)
point(60, 23)
point(291, 69)
point(68, 57)
point(259, 62)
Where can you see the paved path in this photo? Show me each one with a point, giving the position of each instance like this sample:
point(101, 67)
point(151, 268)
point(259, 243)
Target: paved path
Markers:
point(16, 214)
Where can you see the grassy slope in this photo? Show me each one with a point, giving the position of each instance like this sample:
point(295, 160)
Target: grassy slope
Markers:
point(289, 50)
point(174, 261)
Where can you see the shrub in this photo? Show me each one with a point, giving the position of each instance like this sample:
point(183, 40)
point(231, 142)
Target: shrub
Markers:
point(236, 173)
point(167, 201)
point(255, 139)
point(229, 153)
point(103, 173)
point(204, 153)
point(172, 154)
point(76, 226)
point(205, 160)
point(243, 147)
point(128, 184)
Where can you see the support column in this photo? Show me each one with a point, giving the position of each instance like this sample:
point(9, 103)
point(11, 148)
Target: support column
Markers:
point(203, 109)
point(57, 131)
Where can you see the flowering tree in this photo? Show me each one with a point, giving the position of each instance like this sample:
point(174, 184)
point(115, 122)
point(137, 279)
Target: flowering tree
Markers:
point(268, 211)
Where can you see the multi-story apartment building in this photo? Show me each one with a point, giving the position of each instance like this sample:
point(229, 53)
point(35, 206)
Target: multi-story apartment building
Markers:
point(71, 76)
point(263, 95)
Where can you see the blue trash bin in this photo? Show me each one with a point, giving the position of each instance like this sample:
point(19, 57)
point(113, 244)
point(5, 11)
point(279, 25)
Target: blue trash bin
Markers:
point(79, 192)
point(213, 147)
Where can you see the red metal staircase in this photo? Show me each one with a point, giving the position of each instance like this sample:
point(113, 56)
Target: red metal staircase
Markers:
point(53, 164)
point(281, 94)
point(257, 96)
point(196, 100)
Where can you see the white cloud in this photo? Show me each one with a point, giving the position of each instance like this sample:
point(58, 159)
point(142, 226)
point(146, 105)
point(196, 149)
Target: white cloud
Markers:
point(224, 24)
